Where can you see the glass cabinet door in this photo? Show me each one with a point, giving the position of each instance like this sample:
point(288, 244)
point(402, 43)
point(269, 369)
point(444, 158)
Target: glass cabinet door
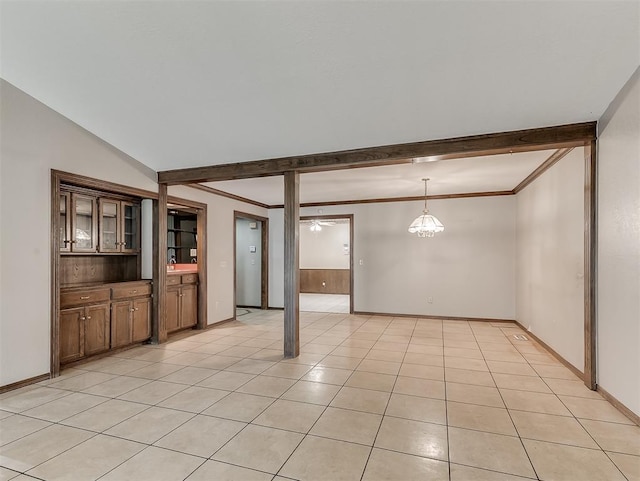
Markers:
point(64, 221)
point(109, 225)
point(130, 227)
point(83, 225)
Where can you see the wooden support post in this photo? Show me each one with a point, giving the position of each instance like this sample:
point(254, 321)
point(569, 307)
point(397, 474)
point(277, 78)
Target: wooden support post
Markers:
point(291, 264)
point(590, 238)
point(159, 331)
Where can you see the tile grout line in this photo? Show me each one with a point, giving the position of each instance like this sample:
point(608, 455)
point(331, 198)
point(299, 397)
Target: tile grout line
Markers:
point(375, 438)
point(505, 404)
point(577, 420)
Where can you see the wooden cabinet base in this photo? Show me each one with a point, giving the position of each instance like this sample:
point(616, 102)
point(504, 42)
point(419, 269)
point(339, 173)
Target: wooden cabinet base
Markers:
point(182, 302)
point(103, 318)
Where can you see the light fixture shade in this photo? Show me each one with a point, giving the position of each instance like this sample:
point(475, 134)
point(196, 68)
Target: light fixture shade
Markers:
point(426, 225)
point(315, 227)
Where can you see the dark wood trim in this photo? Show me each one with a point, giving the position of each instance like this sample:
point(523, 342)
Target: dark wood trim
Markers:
point(553, 352)
point(400, 199)
point(618, 405)
point(155, 273)
point(201, 251)
point(160, 269)
point(25, 382)
point(590, 268)
point(103, 185)
point(542, 168)
point(487, 144)
point(291, 264)
point(222, 193)
point(264, 253)
point(350, 217)
point(425, 316)
point(191, 204)
point(351, 264)
point(54, 367)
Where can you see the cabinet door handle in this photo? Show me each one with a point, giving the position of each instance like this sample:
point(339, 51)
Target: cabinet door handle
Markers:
point(82, 318)
point(136, 309)
point(84, 298)
point(66, 242)
point(88, 317)
point(131, 310)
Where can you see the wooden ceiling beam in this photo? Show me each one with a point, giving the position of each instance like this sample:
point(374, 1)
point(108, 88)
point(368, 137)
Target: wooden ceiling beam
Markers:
point(562, 136)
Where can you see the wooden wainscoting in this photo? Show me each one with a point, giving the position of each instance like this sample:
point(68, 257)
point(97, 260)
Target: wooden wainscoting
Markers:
point(325, 281)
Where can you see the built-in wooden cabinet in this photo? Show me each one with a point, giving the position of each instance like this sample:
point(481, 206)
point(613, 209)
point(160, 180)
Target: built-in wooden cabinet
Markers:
point(96, 319)
point(130, 314)
point(84, 331)
point(90, 223)
point(77, 224)
point(182, 301)
point(119, 226)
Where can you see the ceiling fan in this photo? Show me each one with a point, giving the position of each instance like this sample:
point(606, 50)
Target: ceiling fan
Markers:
point(316, 225)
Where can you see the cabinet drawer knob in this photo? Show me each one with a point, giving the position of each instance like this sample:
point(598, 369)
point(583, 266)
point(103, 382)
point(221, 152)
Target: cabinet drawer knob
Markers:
point(88, 317)
point(136, 309)
point(133, 291)
point(84, 298)
point(82, 318)
point(131, 310)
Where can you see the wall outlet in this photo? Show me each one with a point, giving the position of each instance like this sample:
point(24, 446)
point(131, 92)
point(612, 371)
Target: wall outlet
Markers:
point(430, 300)
point(193, 252)
point(361, 262)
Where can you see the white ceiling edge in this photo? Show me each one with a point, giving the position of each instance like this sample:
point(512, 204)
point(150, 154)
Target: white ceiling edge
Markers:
point(179, 84)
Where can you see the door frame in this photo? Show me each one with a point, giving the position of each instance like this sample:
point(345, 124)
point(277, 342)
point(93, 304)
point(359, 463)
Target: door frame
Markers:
point(349, 217)
point(264, 252)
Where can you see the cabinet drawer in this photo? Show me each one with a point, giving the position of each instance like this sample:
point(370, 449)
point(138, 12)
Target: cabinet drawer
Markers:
point(136, 290)
point(173, 280)
point(189, 278)
point(83, 296)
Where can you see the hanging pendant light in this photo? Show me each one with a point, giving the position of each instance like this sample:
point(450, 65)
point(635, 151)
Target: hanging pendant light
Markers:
point(426, 225)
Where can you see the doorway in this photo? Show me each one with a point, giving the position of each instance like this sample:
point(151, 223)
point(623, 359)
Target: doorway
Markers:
point(326, 263)
point(251, 254)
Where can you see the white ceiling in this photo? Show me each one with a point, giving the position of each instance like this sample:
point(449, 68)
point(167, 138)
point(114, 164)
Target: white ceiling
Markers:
point(453, 176)
point(187, 83)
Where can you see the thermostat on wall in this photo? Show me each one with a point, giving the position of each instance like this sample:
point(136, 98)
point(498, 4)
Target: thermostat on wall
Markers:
point(252, 248)
point(253, 225)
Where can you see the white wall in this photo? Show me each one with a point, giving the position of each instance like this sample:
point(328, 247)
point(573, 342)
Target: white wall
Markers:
point(220, 260)
point(618, 272)
point(468, 270)
point(34, 140)
point(550, 257)
point(248, 263)
point(324, 249)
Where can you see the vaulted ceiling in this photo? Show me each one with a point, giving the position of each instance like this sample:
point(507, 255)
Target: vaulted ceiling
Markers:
point(188, 83)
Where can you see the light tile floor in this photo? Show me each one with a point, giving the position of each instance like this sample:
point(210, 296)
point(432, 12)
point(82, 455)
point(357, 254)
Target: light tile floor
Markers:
point(369, 398)
point(336, 303)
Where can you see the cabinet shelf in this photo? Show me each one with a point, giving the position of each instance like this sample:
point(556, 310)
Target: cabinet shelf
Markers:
point(182, 230)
